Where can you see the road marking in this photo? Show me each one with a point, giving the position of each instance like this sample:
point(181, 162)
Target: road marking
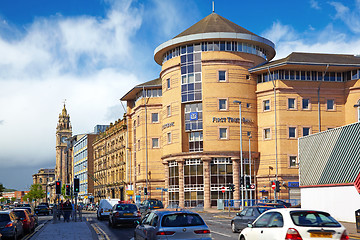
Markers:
point(222, 234)
point(101, 233)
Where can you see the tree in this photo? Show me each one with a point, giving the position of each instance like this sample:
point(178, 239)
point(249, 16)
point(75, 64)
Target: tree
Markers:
point(3, 200)
point(36, 192)
point(2, 189)
point(13, 199)
point(63, 190)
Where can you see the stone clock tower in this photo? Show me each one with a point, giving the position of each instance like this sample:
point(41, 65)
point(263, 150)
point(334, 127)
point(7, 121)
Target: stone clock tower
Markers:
point(63, 132)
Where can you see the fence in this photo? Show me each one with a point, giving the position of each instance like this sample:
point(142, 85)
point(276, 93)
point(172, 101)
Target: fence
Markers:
point(247, 202)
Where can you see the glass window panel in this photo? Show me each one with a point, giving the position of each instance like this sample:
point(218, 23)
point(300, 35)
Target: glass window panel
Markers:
point(198, 67)
point(330, 104)
point(332, 76)
point(190, 57)
point(229, 179)
point(183, 69)
point(190, 48)
point(320, 76)
point(292, 75)
point(354, 74)
point(222, 104)
point(191, 78)
point(327, 76)
point(306, 131)
point(197, 77)
point(211, 46)
point(184, 88)
point(197, 56)
point(216, 46)
point(229, 169)
point(197, 47)
point(222, 76)
point(222, 46)
point(190, 97)
point(197, 86)
point(186, 170)
point(184, 98)
point(213, 169)
point(228, 46)
point(292, 132)
point(183, 50)
point(221, 169)
point(291, 103)
point(191, 86)
point(197, 96)
point(305, 103)
point(190, 68)
point(204, 46)
point(239, 47)
point(221, 179)
point(200, 170)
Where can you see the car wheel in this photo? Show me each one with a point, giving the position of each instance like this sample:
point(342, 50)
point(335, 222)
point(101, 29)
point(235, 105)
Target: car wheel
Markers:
point(233, 228)
point(15, 235)
point(242, 237)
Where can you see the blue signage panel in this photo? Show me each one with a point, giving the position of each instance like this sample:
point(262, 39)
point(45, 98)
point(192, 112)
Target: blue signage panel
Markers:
point(293, 184)
point(193, 116)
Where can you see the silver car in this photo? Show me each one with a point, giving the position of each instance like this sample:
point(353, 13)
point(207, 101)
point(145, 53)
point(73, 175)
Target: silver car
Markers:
point(162, 224)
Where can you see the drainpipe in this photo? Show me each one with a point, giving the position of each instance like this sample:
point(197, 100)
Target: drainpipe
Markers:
point(318, 94)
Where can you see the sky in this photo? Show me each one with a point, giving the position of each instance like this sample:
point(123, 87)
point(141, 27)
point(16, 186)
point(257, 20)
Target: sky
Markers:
point(89, 53)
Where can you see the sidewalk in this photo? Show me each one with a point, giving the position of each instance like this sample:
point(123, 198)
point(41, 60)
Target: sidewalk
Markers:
point(65, 230)
point(351, 229)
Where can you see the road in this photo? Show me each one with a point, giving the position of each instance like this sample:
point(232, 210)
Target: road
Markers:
point(219, 224)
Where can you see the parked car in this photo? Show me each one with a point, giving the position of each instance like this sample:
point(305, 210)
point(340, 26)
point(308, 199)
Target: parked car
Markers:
point(162, 224)
point(124, 214)
point(288, 223)
point(32, 214)
point(10, 225)
point(249, 214)
point(150, 204)
point(286, 204)
point(26, 219)
point(25, 205)
point(105, 207)
point(42, 209)
point(274, 205)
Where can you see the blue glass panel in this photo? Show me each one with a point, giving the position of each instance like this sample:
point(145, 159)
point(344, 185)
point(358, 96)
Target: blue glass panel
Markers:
point(190, 97)
point(183, 69)
point(228, 46)
point(183, 98)
point(183, 88)
point(234, 47)
point(187, 126)
point(193, 125)
point(190, 68)
point(204, 46)
point(200, 125)
point(190, 57)
point(222, 46)
point(190, 48)
point(190, 87)
point(320, 76)
point(183, 50)
point(183, 58)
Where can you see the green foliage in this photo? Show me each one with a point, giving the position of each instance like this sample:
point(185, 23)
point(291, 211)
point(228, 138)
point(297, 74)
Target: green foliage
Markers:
point(36, 192)
point(63, 192)
point(3, 200)
point(2, 189)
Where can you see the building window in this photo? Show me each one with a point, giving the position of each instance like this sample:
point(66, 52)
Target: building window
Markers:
point(267, 133)
point(266, 105)
point(155, 142)
point(196, 141)
point(223, 133)
point(306, 131)
point(193, 116)
point(247, 77)
point(291, 103)
point(169, 137)
point(221, 174)
point(330, 104)
point(154, 117)
point(168, 82)
point(138, 145)
point(292, 161)
point(223, 104)
point(138, 120)
point(222, 76)
point(168, 110)
point(305, 104)
point(292, 132)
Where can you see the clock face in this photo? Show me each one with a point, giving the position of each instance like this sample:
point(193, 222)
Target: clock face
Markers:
point(63, 139)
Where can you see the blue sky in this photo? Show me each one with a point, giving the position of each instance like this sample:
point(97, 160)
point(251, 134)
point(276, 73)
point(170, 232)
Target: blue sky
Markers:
point(91, 52)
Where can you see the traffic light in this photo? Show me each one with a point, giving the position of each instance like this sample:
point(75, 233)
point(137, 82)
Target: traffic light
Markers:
point(242, 181)
point(145, 191)
point(58, 187)
point(277, 186)
point(247, 182)
point(76, 185)
point(67, 190)
point(231, 187)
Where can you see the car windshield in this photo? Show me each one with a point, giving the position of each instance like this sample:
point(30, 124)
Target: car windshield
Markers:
point(4, 218)
point(313, 219)
point(182, 220)
point(126, 207)
point(42, 206)
point(20, 214)
point(263, 209)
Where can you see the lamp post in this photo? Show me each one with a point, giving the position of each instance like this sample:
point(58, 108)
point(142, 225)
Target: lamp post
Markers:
point(241, 157)
point(250, 163)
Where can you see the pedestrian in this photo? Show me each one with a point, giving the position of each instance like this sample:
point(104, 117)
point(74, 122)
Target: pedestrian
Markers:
point(67, 210)
point(61, 209)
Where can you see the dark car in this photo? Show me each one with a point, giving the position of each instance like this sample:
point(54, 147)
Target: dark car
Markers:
point(150, 204)
point(160, 224)
point(32, 214)
point(274, 205)
point(249, 214)
point(286, 204)
point(42, 209)
point(124, 214)
point(10, 225)
point(26, 219)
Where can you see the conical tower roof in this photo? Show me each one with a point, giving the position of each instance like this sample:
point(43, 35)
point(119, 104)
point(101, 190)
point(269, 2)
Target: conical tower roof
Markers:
point(214, 28)
point(214, 23)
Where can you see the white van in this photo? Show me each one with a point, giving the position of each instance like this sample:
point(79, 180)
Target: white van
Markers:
point(105, 207)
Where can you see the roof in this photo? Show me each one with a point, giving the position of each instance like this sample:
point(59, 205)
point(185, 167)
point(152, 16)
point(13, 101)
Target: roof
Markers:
point(214, 28)
point(300, 58)
point(150, 84)
point(330, 157)
point(214, 23)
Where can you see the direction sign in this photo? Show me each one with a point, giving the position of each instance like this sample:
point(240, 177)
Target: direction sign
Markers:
point(223, 189)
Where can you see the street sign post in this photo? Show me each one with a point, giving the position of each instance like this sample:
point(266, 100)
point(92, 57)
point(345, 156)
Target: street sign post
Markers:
point(222, 189)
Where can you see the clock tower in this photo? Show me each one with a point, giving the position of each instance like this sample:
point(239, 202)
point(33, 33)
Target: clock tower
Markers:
point(63, 132)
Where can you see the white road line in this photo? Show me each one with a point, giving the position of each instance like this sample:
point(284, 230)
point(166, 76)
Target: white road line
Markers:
point(222, 234)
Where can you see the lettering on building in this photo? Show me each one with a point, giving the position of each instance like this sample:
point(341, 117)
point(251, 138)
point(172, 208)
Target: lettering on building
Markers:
point(231, 120)
point(168, 125)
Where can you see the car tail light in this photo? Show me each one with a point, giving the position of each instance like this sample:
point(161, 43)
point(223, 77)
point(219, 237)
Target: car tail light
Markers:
point(117, 214)
point(344, 236)
point(101, 210)
point(292, 234)
point(10, 224)
point(137, 213)
point(202, 231)
point(165, 233)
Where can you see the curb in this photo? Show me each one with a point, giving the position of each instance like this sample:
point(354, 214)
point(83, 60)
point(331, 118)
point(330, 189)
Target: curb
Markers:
point(37, 231)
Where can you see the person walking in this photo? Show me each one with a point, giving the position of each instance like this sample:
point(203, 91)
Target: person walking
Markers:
point(67, 210)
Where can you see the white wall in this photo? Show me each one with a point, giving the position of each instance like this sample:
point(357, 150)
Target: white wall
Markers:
point(340, 201)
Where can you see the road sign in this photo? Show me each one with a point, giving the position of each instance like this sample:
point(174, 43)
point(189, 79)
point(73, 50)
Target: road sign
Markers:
point(273, 186)
point(223, 189)
point(252, 186)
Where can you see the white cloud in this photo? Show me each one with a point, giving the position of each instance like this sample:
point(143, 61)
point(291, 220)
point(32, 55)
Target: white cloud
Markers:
point(314, 4)
point(351, 17)
point(328, 40)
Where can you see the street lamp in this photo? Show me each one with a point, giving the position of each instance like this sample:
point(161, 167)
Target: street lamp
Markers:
point(241, 157)
point(250, 163)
